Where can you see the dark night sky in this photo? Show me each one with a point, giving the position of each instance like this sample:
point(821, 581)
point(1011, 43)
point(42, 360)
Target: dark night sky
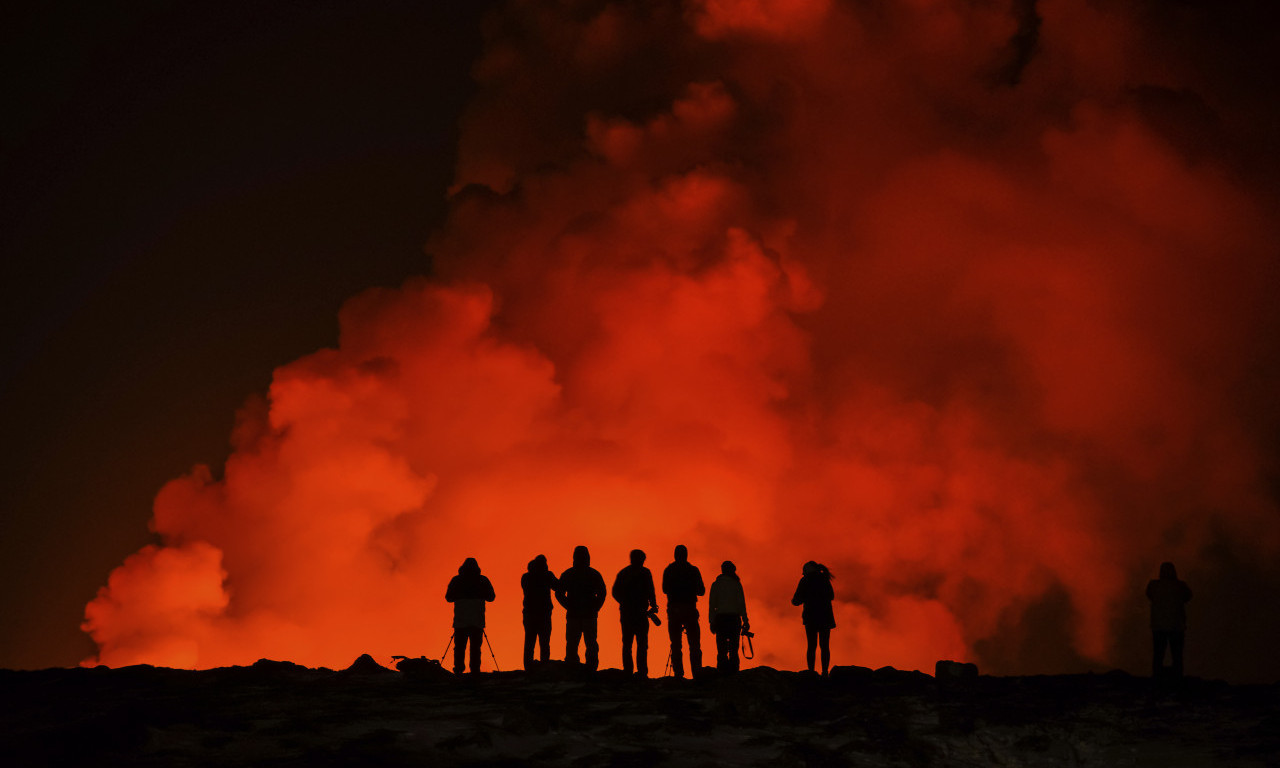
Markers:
point(189, 194)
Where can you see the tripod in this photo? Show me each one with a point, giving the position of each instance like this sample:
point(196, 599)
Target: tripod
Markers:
point(483, 634)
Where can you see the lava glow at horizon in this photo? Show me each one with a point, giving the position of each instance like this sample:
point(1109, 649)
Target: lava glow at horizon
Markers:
point(960, 299)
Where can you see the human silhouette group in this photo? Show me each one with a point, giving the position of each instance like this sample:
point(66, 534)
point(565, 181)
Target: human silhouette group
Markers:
point(581, 591)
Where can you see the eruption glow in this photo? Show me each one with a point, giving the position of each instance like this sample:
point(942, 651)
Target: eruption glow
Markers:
point(962, 299)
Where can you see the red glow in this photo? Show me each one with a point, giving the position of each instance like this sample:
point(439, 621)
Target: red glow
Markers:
point(846, 298)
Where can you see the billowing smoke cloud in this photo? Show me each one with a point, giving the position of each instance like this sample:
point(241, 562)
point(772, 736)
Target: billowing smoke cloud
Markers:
point(970, 301)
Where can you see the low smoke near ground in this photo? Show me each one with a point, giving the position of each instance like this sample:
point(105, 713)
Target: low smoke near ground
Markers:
point(281, 714)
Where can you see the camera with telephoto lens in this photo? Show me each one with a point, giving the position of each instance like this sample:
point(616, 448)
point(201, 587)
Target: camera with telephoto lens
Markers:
point(653, 616)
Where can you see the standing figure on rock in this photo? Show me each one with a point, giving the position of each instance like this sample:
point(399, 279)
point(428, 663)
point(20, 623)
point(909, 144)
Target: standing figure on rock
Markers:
point(682, 584)
point(468, 591)
point(582, 593)
point(727, 610)
point(537, 583)
point(1169, 596)
point(814, 592)
point(633, 589)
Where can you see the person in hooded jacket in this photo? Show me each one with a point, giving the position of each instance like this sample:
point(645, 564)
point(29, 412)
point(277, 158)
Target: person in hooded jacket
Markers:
point(537, 583)
point(682, 584)
point(1169, 596)
point(814, 592)
point(727, 611)
point(582, 593)
point(468, 591)
point(633, 589)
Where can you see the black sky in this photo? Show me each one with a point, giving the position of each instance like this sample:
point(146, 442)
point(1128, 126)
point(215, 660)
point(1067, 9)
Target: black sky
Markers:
point(189, 194)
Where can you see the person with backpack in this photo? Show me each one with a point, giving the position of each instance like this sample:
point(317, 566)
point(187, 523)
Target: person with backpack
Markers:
point(537, 584)
point(582, 593)
point(727, 612)
point(814, 592)
point(682, 584)
point(637, 601)
point(468, 591)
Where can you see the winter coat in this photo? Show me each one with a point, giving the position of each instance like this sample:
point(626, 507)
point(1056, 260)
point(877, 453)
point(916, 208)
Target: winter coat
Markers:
point(1168, 598)
point(633, 589)
point(582, 591)
point(682, 583)
point(726, 597)
point(814, 592)
point(469, 591)
point(538, 584)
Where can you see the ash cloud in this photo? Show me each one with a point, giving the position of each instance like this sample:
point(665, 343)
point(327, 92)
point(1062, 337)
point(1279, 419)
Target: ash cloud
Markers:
point(971, 302)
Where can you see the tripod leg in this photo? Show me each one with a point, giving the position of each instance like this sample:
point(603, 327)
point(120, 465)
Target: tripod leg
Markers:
point(495, 658)
point(444, 655)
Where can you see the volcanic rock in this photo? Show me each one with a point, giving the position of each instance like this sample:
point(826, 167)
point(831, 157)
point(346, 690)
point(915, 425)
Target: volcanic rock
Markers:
point(274, 713)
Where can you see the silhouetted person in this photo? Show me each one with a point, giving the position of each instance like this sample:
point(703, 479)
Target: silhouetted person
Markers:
point(582, 593)
point(538, 583)
point(682, 584)
point(727, 610)
point(633, 589)
point(814, 592)
point(468, 591)
point(1168, 595)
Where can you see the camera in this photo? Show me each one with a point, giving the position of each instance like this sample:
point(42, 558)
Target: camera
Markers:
point(653, 616)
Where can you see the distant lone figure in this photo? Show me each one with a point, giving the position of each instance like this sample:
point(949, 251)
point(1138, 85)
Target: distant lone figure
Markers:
point(1169, 596)
point(814, 592)
point(582, 593)
point(537, 583)
point(682, 584)
point(468, 591)
point(633, 589)
point(727, 610)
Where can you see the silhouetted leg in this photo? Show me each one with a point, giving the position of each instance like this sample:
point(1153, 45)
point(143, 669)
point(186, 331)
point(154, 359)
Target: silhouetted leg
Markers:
point(459, 651)
point(627, 637)
point(593, 646)
point(695, 646)
point(736, 642)
point(572, 635)
point(674, 629)
point(1176, 641)
point(642, 648)
point(1158, 642)
point(811, 645)
point(530, 635)
point(824, 640)
point(544, 640)
point(477, 638)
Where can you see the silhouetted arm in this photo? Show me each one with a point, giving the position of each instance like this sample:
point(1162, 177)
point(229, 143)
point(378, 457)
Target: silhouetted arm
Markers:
point(561, 597)
point(798, 597)
point(697, 575)
point(601, 592)
point(653, 597)
point(489, 594)
point(450, 593)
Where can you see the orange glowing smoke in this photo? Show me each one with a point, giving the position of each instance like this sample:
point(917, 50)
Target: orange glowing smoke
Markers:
point(923, 292)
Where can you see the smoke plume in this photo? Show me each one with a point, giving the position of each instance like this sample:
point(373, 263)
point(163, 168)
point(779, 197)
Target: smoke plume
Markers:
point(971, 302)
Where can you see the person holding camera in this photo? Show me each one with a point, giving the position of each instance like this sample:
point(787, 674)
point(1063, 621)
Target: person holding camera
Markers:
point(637, 605)
point(727, 609)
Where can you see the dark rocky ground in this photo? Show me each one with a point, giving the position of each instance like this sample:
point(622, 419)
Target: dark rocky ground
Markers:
point(280, 714)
